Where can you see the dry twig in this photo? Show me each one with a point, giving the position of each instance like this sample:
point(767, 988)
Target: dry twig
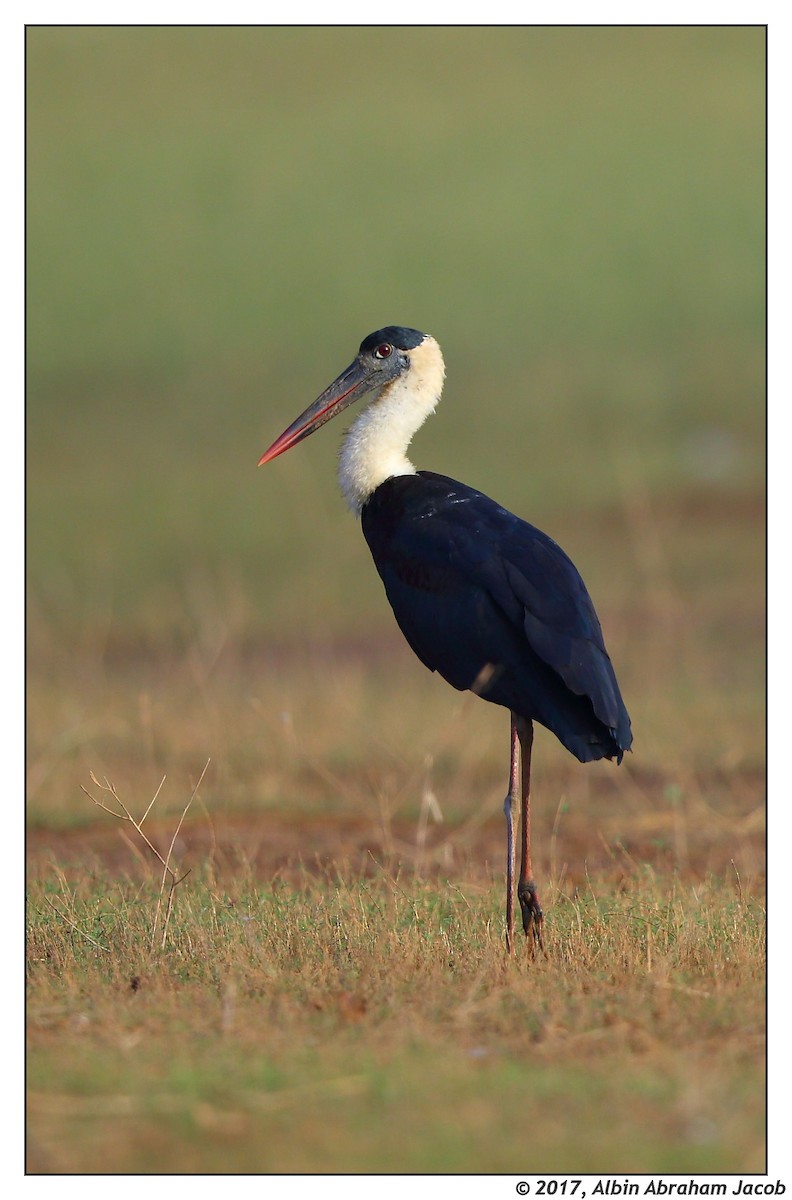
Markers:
point(170, 876)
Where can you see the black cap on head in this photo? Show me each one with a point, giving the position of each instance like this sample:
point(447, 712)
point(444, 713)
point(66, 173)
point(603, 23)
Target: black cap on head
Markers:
point(395, 335)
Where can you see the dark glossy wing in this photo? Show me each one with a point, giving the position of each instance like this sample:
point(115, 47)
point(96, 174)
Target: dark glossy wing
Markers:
point(493, 604)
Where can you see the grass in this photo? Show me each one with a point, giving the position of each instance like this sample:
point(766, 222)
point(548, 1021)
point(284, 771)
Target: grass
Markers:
point(332, 994)
point(374, 1024)
point(215, 218)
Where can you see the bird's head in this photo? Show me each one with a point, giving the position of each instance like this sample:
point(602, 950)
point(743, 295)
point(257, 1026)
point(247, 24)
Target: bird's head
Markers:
point(385, 356)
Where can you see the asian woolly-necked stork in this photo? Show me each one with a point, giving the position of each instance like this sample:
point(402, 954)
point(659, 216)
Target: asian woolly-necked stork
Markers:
point(485, 599)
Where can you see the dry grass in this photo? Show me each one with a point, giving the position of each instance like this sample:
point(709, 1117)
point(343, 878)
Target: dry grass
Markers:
point(331, 991)
point(356, 1017)
point(368, 1006)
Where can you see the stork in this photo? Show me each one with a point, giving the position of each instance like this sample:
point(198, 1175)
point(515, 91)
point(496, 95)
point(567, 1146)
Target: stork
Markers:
point(488, 601)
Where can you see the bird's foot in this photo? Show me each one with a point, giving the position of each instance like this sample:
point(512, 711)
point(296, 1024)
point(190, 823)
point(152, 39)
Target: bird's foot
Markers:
point(532, 915)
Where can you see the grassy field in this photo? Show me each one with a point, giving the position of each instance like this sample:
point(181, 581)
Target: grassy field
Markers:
point(216, 217)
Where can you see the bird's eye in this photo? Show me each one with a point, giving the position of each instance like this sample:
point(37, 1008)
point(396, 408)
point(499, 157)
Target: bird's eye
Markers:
point(383, 351)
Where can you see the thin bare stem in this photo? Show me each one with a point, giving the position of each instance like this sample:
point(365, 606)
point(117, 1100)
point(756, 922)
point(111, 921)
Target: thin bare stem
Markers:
point(154, 797)
point(174, 881)
point(125, 814)
point(169, 875)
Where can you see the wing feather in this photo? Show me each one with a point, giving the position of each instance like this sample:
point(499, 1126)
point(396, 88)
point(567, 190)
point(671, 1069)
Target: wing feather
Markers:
point(471, 584)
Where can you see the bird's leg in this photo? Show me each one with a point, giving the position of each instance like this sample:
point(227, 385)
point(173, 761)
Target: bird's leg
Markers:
point(532, 915)
point(509, 808)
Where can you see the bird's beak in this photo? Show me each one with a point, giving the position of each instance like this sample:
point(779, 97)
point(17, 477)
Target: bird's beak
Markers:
point(351, 384)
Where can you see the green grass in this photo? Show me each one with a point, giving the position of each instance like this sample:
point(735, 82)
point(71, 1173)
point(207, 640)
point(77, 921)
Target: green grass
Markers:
point(376, 1025)
point(216, 217)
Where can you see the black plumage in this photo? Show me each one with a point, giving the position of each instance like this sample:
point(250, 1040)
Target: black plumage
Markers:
point(494, 605)
point(483, 598)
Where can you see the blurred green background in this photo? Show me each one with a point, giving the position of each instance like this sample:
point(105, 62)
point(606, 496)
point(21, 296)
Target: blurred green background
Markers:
point(217, 216)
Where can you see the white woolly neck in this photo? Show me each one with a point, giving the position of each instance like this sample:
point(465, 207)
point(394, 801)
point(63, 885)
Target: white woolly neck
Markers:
point(375, 446)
